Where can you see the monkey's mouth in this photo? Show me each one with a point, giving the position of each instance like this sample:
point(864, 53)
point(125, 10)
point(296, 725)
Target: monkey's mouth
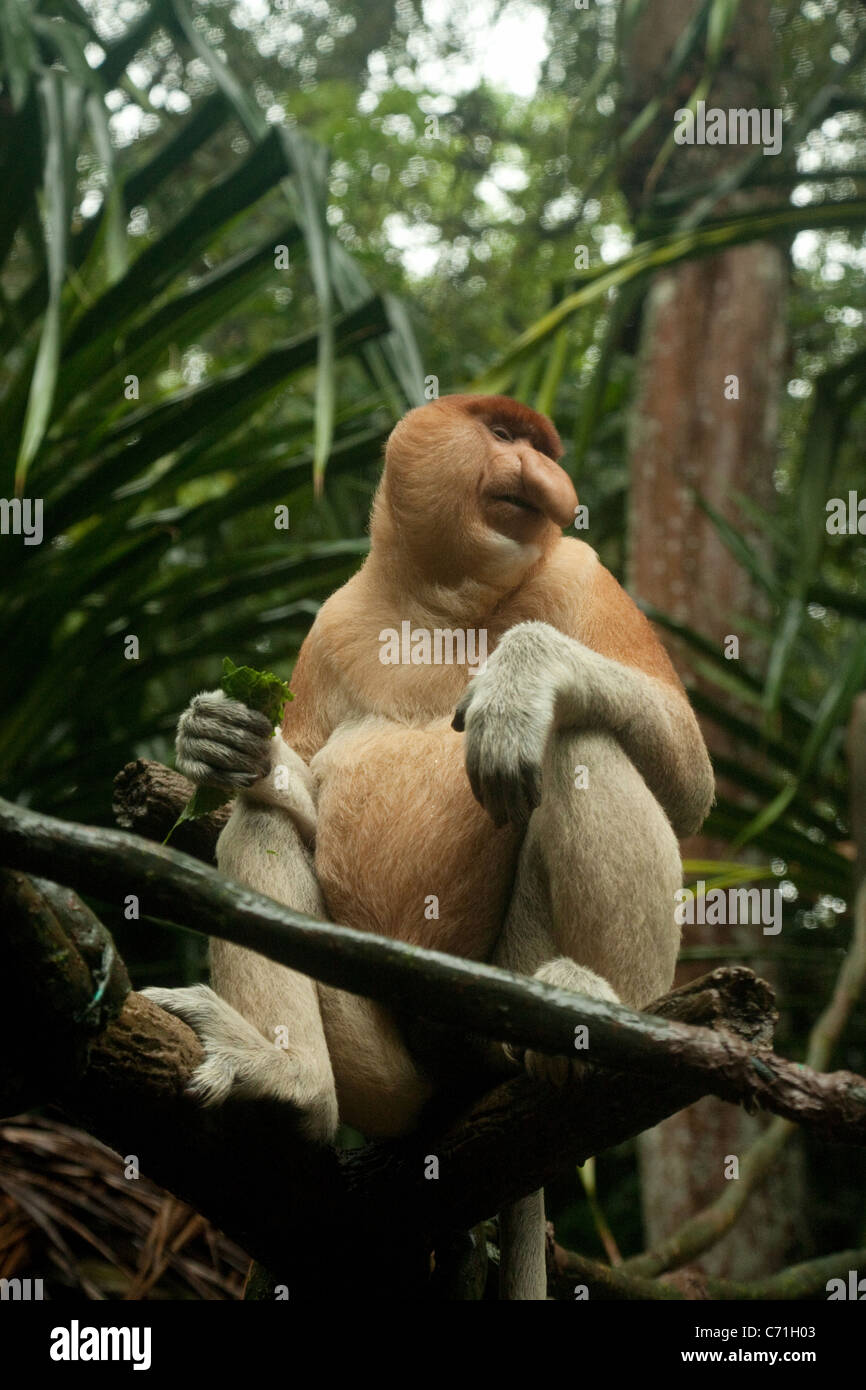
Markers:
point(514, 501)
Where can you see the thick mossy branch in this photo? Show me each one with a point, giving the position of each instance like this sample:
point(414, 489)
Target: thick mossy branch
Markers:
point(62, 983)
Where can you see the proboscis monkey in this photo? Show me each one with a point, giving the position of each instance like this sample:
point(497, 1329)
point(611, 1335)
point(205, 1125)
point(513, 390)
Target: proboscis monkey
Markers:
point(541, 819)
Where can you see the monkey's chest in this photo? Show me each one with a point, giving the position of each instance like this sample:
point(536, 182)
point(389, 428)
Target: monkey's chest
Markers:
point(402, 846)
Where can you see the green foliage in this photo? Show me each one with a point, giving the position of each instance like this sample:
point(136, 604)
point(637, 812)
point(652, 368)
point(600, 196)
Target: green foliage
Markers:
point(160, 449)
point(155, 398)
point(260, 690)
point(203, 800)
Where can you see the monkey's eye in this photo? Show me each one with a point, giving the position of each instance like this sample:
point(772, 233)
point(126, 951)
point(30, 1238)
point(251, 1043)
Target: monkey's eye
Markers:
point(502, 433)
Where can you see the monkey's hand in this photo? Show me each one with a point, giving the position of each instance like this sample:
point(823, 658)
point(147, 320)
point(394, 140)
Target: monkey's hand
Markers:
point(539, 680)
point(507, 714)
point(565, 974)
point(240, 1064)
point(224, 743)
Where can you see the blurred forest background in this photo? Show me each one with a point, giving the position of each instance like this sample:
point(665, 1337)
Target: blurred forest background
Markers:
point(236, 238)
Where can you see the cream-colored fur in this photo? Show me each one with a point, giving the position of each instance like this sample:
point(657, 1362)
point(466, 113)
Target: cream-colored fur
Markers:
point(572, 884)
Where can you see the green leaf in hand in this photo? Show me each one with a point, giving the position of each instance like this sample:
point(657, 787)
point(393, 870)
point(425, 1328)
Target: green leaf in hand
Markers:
point(201, 803)
point(259, 690)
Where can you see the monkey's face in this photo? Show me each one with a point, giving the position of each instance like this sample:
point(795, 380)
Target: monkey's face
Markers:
point(522, 490)
point(472, 484)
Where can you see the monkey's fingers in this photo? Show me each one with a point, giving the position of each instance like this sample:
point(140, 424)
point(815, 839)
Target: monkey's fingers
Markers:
point(229, 757)
point(233, 714)
point(227, 721)
point(509, 798)
point(205, 762)
point(222, 741)
point(505, 774)
point(483, 774)
point(204, 772)
point(192, 725)
point(240, 1064)
point(553, 1071)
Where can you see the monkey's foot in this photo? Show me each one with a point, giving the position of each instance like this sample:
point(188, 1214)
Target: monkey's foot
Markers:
point(241, 1064)
point(564, 974)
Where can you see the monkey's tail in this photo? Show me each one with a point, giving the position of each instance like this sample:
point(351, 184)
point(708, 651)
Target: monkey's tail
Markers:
point(522, 1257)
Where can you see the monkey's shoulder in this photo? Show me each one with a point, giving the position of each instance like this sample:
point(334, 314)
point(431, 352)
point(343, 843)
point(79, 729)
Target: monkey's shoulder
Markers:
point(573, 557)
point(561, 588)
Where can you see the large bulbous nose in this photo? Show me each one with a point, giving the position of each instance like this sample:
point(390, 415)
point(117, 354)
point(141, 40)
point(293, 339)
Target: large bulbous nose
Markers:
point(547, 486)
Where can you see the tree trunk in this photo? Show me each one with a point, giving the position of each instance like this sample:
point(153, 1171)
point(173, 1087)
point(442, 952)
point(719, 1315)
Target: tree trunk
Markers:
point(710, 374)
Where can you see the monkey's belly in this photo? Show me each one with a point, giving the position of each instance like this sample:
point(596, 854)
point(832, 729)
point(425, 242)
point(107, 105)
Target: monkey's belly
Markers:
point(402, 846)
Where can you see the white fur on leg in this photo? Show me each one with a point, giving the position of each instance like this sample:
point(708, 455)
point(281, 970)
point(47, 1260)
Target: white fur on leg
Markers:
point(566, 974)
point(588, 914)
point(241, 1064)
point(263, 847)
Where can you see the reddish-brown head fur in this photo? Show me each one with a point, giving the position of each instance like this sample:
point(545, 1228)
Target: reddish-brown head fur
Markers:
point(525, 422)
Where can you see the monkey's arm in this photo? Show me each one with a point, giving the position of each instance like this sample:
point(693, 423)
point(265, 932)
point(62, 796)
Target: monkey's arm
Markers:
point(266, 845)
point(539, 680)
point(224, 743)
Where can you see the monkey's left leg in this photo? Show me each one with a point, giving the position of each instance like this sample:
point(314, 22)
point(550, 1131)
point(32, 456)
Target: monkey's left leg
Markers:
point(586, 752)
point(593, 903)
point(592, 911)
point(555, 735)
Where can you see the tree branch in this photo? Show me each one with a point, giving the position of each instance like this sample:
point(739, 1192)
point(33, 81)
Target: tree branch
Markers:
point(63, 982)
point(233, 1163)
point(148, 798)
point(244, 1166)
point(464, 994)
point(806, 1280)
